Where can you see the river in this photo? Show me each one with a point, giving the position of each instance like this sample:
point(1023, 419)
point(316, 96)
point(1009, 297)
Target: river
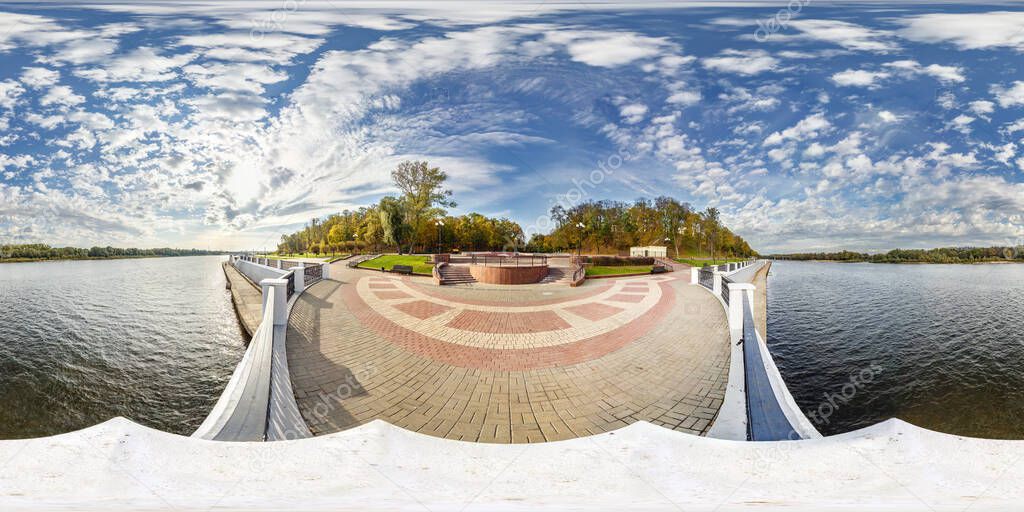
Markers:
point(154, 340)
point(940, 346)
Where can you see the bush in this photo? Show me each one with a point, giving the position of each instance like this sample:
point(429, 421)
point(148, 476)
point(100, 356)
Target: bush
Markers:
point(616, 261)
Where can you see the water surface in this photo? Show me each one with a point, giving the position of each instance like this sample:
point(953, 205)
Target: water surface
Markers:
point(154, 340)
point(940, 346)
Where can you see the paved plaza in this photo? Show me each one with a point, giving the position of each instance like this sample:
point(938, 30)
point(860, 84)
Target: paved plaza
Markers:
point(507, 364)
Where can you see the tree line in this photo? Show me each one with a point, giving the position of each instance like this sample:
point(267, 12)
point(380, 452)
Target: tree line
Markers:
point(416, 221)
point(615, 226)
point(938, 255)
point(45, 252)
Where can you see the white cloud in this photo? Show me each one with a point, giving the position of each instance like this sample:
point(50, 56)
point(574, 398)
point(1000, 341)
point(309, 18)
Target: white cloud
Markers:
point(887, 116)
point(751, 62)
point(859, 78)
point(945, 74)
point(848, 35)
point(1016, 126)
point(982, 107)
point(39, 77)
point(143, 64)
point(969, 31)
point(633, 113)
point(9, 93)
point(61, 95)
point(610, 49)
point(1009, 96)
point(808, 128)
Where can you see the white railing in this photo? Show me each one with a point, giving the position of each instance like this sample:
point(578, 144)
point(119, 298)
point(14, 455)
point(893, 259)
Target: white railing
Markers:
point(241, 412)
point(733, 418)
point(258, 403)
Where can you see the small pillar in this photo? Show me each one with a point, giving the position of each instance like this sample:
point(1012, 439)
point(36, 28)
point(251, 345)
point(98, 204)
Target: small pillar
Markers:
point(280, 304)
point(300, 277)
point(278, 264)
point(694, 275)
point(736, 291)
point(717, 288)
point(325, 270)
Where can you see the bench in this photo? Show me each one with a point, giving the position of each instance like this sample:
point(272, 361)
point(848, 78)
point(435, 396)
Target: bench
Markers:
point(402, 269)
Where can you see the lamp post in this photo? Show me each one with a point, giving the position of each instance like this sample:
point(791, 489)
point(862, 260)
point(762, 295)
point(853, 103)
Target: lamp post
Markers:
point(355, 242)
point(668, 241)
point(582, 227)
point(440, 226)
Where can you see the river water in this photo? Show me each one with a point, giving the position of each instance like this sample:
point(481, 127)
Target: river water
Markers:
point(154, 340)
point(940, 346)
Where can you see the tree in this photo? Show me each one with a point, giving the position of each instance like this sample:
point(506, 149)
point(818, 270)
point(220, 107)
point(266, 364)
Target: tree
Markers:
point(392, 222)
point(423, 195)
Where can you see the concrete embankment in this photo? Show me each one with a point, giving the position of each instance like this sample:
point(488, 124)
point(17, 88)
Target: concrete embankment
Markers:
point(761, 301)
point(247, 298)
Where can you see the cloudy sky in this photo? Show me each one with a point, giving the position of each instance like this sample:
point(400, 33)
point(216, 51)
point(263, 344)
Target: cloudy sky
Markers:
point(225, 124)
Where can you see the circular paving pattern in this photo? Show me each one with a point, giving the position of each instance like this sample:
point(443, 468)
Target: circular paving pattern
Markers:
point(489, 364)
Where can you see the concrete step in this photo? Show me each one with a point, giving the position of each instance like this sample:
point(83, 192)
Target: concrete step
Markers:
point(456, 274)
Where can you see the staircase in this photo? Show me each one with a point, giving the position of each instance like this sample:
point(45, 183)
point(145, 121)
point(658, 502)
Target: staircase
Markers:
point(456, 274)
point(557, 275)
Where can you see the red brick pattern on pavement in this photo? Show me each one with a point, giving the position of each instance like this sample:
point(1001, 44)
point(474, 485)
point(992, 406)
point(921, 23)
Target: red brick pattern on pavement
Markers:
point(421, 309)
point(508, 323)
point(350, 364)
point(594, 311)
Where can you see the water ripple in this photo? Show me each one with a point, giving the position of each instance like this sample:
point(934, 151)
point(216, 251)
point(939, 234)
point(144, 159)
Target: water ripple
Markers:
point(154, 340)
point(945, 338)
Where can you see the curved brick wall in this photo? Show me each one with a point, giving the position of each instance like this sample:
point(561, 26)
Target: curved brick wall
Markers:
point(508, 275)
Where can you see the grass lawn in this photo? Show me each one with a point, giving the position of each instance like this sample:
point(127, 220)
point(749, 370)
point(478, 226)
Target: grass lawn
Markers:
point(419, 264)
point(700, 263)
point(614, 271)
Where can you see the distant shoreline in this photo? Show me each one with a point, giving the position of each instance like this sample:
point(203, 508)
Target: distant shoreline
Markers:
point(987, 262)
point(99, 258)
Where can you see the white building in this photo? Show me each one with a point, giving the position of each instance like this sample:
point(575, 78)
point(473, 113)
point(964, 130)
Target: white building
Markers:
point(651, 251)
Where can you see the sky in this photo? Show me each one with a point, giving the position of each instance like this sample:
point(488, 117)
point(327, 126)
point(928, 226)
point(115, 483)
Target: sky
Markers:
point(810, 125)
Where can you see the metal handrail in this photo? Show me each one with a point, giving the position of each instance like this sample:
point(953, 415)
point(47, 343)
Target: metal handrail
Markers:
point(498, 260)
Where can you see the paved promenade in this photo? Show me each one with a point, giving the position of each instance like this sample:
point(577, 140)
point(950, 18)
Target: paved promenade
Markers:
point(507, 364)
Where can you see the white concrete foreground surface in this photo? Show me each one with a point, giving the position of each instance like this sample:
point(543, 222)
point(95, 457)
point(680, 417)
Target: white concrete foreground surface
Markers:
point(119, 465)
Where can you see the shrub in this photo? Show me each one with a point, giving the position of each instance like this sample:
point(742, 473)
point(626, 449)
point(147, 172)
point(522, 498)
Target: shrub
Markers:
point(617, 261)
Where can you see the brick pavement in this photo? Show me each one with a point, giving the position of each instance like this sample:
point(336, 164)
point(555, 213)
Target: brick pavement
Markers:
point(512, 364)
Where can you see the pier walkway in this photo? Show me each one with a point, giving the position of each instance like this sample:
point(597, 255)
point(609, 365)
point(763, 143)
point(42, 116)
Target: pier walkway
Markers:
point(507, 364)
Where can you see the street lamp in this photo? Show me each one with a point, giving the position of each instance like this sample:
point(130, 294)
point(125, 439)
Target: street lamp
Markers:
point(582, 227)
point(440, 225)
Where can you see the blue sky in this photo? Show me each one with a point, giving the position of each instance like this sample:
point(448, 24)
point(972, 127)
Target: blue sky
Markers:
point(814, 125)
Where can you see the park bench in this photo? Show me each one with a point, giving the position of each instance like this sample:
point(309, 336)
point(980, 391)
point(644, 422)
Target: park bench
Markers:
point(402, 269)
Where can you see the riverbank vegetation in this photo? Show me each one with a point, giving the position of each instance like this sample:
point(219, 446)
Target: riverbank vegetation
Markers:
point(43, 252)
point(612, 227)
point(939, 255)
point(416, 221)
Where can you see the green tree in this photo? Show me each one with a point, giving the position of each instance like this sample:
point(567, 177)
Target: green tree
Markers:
point(423, 195)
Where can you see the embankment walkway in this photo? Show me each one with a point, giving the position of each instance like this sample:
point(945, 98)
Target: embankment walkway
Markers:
point(507, 364)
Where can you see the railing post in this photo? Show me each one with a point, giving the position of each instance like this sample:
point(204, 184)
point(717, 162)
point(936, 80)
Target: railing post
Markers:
point(717, 288)
point(300, 277)
point(736, 291)
point(278, 264)
point(325, 271)
point(694, 275)
point(280, 297)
